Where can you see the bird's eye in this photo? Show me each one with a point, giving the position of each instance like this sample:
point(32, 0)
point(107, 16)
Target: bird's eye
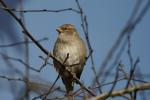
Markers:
point(65, 28)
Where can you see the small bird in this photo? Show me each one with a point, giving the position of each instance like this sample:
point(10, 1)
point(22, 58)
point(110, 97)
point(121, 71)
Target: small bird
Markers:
point(70, 50)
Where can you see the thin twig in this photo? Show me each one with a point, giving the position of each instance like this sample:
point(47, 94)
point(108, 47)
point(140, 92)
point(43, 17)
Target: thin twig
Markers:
point(41, 10)
point(127, 29)
point(84, 25)
point(38, 44)
point(115, 80)
point(44, 96)
point(144, 86)
point(132, 71)
point(20, 43)
point(11, 79)
point(25, 31)
point(19, 60)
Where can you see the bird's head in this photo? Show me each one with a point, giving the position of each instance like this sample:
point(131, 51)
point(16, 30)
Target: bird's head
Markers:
point(67, 29)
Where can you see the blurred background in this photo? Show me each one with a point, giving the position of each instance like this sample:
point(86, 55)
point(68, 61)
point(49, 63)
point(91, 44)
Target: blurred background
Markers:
point(107, 20)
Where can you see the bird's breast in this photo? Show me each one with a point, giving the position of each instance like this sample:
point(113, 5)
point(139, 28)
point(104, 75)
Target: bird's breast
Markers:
point(75, 50)
point(68, 52)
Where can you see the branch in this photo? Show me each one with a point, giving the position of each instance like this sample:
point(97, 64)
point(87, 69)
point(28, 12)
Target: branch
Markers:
point(144, 86)
point(128, 29)
point(84, 25)
point(11, 79)
point(40, 10)
point(25, 31)
point(20, 43)
point(20, 61)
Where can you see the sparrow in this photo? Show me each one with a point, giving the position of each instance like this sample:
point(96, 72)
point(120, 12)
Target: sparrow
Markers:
point(70, 50)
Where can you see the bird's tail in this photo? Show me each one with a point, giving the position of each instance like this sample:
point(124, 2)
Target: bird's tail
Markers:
point(69, 88)
point(70, 93)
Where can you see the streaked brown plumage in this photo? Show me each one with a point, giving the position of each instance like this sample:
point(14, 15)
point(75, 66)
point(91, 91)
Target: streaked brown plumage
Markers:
point(69, 43)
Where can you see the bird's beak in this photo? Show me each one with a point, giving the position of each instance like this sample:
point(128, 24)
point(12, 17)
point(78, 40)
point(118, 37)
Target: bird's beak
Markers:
point(59, 30)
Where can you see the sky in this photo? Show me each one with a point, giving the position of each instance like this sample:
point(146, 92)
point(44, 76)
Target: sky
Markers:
point(106, 19)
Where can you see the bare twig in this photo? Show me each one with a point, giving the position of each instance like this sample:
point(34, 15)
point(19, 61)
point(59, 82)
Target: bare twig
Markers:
point(115, 80)
point(116, 61)
point(144, 86)
point(132, 72)
point(20, 43)
point(121, 79)
point(11, 79)
point(41, 10)
point(45, 61)
point(38, 44)
point(44, 96)
point(84, 25)
point(126, 30)
point(26, 54)
point(24, 28)
point(19, 60)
